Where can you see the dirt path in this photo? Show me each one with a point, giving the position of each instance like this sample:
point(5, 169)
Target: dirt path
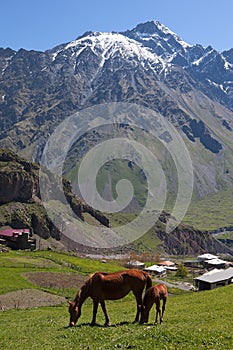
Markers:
point(180, 285)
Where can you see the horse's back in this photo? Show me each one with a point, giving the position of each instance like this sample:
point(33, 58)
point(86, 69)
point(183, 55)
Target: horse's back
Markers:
point(121, 275)
point(117, 284)
point(137, 278)
point(160, 290)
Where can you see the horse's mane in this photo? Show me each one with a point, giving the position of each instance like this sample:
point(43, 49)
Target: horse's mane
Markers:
point(85, 288)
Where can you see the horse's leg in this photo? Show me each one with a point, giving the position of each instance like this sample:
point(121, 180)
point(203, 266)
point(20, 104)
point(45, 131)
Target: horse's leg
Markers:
point(163, 309)
point(158, 311)
point(138, 296)
point(107, 321)
point(95, 308)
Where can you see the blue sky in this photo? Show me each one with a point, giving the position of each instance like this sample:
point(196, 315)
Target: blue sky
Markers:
point(43, 24)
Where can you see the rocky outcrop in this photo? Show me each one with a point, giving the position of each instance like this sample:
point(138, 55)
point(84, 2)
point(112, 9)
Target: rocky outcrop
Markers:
point(186, 240)
point(19, 178)
point(20, 202)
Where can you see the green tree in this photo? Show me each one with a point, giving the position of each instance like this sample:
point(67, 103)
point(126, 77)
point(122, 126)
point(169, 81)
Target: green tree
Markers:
point(182, 271)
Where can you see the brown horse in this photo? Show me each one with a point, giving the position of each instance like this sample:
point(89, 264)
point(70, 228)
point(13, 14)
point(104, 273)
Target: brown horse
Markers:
point(109, 286)
point(154, 295)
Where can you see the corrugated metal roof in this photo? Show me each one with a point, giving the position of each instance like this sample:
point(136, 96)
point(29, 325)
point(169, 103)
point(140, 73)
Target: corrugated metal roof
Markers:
point(155, 268)
point(216, 275)
point(207, 256)
point(216, 261)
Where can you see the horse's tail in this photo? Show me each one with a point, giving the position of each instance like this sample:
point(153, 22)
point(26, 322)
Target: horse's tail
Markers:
point(148, 281)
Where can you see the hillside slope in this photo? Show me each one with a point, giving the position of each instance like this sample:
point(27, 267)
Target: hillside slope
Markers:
point(190, 86)
point(21, 206)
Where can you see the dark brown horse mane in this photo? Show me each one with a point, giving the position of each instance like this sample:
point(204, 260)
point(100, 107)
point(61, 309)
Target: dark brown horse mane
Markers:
point(85, 288)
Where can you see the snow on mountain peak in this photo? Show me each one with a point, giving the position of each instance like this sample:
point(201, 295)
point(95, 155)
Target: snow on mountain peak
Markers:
point(157, 31)
point(108, 44)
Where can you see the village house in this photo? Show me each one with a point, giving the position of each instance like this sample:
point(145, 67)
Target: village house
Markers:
point(216, 263)
point(156, 270)
point(135, 264)
point(214, 278)
point(193, 263)
point(210, 261)
point(206, 256)
point(168, 265)
point(17, 238)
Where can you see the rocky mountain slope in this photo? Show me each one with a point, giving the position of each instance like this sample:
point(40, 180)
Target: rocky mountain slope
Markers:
point(21, 207)
point(212, 70)
point(20, 199)
point(190, 86)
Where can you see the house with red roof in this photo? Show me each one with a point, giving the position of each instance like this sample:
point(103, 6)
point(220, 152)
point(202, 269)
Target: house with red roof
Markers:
point(17, 238)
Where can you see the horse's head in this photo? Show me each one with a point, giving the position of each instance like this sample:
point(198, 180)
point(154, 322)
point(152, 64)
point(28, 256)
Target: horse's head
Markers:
point(144, 314)
point(74, 311)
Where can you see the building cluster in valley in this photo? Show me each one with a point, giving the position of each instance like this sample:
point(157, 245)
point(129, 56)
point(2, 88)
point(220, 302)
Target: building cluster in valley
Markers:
point(213, 271)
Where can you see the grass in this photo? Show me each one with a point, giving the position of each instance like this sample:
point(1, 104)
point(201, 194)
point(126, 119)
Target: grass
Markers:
point(14, 265)
point(85, 266)
point(191, 321)
point(12, 279)
point(212, 212)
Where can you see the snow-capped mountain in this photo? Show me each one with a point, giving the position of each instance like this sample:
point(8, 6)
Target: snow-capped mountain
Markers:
point(191, 86)
point(159, 38)
point(105, 46)
point(213, 69)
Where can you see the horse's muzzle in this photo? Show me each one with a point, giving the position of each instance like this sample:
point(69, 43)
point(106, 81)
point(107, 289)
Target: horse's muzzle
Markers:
point(71, 324)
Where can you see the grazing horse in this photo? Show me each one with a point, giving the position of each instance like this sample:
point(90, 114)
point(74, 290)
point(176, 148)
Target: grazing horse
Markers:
point(103, 286)
point(154, 295)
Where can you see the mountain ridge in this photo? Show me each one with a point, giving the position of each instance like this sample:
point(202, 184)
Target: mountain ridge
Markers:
point(191, 86)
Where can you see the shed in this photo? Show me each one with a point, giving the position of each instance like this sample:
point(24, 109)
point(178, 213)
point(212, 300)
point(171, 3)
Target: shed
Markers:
point(214, 278)
point(206, 256)
point(192, 263)
point(218, 263)
point(134, 264)
point(156, 270)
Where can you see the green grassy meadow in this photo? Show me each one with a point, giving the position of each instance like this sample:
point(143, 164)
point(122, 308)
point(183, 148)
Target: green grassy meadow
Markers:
point(192, 320)
point(212, 212)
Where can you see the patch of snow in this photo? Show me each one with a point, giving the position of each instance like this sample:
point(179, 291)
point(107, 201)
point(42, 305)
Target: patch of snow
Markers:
point(197, 62)
point(227, 65)
point(107, 45)
point(54, 55)
point(220, 86)
point(166, 30)
point(8, 62)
